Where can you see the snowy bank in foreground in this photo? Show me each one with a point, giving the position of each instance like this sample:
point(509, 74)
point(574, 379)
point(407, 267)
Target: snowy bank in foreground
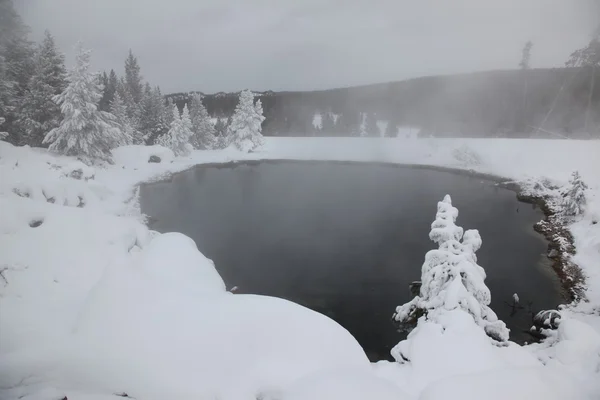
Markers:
point(92, 303)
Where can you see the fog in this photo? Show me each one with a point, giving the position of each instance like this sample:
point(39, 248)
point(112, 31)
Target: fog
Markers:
point(227, 45)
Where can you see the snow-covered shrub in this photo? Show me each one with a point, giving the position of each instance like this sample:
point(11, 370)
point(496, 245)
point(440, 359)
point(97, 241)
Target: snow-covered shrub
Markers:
point(546, 319)
point(451, 278)
point(466, 156)
point(85, 131)
point(245, 129)
point(574, 197)
point(180, 131)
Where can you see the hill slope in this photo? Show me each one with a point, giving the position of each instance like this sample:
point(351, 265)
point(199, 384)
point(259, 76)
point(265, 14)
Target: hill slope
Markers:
point(515, 103)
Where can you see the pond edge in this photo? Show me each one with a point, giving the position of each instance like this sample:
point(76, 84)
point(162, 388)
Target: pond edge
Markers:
point(561, 245)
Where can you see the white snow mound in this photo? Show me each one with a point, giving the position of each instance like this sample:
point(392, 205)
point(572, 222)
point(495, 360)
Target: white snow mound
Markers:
point(173, 259)
point(346, 385)
point(140, 334)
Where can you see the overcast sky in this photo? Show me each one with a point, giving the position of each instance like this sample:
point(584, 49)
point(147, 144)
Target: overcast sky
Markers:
point(228, 45)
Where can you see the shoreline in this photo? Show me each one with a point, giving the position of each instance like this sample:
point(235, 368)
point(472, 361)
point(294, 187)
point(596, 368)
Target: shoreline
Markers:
point(560, 240)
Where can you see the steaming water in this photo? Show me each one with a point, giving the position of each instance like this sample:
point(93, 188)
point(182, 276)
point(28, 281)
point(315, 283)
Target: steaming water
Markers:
point(346, 240)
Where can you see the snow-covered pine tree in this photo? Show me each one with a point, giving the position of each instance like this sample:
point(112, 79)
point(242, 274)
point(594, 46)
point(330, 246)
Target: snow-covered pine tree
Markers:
point(391, 129)
point(327, 124)
point(221, 134)
point(203, 137)
point(85, 131)
point(371, 127)
point(118, 109)
point(244, 131)
point(110, 82)
point(133, 109)
point(574, 200)
point(16, 67)
point(133, 78)
point(526, 56)
point(3, 135)
point(39, 113)
point(451, 278)
point(178, 137)
point(152, 110)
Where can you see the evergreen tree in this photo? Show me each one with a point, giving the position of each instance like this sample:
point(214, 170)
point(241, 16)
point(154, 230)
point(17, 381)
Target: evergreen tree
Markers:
point(371, 127)
point(451, 278)
point(245, 129)
point(203, 137)
point(589, 58)
point(119, 111)
point(327, 124)
point(152, 124)
point(39, 113)
point(110, 83)
point(526, 56)
point(133, 110)
point(85, 131)
point(16, 66)
point(349, 123)
point(221, 134)
point(133, 79)
point(178, 137)
point(391, 130)
point(574, 200)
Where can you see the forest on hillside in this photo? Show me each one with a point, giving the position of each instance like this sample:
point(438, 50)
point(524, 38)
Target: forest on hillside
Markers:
point(559, 102)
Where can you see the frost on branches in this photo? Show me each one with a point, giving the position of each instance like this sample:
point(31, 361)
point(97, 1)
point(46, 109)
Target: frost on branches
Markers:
point(245, 129)
point(180, 131)
point(203, 137)
point(85, 131)
point(119, 111)
point(574, 197)
point(451, 278)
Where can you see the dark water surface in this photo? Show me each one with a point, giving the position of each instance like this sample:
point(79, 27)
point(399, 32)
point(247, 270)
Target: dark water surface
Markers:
point(347, 239)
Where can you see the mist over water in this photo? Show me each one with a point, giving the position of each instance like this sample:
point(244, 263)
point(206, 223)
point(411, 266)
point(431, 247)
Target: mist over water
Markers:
point(346, 240)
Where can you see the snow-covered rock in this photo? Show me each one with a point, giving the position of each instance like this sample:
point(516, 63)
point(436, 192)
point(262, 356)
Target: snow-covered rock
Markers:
point(136, 156)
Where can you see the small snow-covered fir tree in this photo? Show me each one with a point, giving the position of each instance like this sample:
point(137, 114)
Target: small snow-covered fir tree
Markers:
point(118, 109)
point(574, 197)
point(152, 122)
point(451, 278)
point(244, 131)
point(371, 127)
point(327, 123)
point(178, 137)
point(85, 131)
point(203, 137)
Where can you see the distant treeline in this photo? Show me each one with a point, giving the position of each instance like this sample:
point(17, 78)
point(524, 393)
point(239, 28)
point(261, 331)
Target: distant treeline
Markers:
point(517, 103)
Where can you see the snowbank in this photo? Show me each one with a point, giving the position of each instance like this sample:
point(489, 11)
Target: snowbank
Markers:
point(514, 384)
point(344, 384)
point(93, 304)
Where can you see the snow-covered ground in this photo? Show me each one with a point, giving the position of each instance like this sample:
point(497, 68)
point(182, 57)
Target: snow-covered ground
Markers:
point(93, 304)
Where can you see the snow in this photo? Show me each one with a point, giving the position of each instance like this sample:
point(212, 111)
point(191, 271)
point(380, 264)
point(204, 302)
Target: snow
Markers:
point(451, 278)
point(514, 384)
point(92, 303)
point(344, 384)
